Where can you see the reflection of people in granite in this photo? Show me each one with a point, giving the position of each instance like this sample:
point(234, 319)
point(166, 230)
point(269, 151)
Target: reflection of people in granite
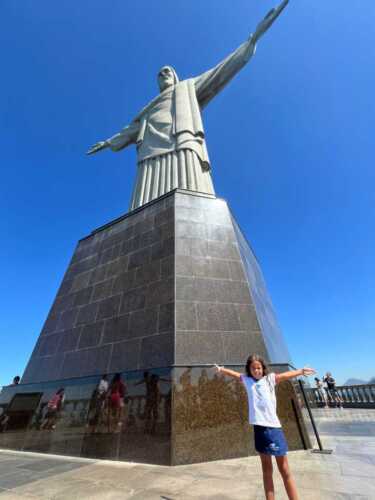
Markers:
point(54, 407)
point(117, 391)
point(97, 404)
point(269, 437)
point(153, 397)
point(189, 400)
point(4, 419)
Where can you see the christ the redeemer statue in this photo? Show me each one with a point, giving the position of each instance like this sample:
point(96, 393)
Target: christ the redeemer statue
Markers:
point(169, 133)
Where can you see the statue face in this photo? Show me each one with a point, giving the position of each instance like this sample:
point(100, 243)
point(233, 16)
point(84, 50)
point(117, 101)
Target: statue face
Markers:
point(165, 78)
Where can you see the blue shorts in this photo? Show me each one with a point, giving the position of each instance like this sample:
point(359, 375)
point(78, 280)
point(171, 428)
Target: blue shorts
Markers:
point(270, 441)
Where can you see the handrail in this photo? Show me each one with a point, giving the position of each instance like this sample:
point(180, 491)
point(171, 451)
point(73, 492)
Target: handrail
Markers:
point(350, 396)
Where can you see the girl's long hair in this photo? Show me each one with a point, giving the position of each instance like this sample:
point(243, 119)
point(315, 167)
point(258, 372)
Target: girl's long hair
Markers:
point(256, 357)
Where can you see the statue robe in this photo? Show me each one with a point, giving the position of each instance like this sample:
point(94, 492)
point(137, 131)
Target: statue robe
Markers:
point(169, 133)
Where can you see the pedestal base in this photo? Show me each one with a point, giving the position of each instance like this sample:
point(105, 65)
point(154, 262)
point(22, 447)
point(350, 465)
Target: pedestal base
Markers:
point(168, 289)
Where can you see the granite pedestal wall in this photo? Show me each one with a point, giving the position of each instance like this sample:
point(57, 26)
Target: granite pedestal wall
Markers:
point(170, 289)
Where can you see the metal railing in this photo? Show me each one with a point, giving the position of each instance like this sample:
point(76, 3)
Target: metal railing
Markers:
point(349, 396)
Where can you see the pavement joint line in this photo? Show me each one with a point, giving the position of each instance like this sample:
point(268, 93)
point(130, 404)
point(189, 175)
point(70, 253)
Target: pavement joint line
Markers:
point(88, 461)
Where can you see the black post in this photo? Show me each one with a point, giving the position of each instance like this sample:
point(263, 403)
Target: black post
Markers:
point(321, 449)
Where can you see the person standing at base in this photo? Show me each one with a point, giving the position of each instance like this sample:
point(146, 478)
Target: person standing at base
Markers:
point(268, 434)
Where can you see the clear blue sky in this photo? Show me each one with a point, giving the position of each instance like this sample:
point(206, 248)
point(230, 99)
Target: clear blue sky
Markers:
point(295, 157)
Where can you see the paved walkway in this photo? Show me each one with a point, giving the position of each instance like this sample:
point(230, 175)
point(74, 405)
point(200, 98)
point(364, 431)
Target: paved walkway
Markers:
point(346, 474)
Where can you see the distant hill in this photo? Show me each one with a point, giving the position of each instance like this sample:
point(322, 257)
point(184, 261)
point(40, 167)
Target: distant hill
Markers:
point(355, 381)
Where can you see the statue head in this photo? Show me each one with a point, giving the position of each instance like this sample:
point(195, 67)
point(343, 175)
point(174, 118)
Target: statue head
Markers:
point(167, 76)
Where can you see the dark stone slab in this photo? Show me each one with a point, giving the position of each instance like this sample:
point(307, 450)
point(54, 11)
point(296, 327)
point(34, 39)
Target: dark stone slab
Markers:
point(116, 329)
point(91, 335)
point(87, 313)
point(157, 350)
point(109, 307)
point(166, 318)
point(143, 323)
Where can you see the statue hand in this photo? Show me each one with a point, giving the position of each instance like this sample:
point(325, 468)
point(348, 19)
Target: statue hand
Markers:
point(97, 147)
point(267, 22)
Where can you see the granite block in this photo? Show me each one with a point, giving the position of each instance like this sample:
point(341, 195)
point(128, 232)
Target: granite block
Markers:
point(221, 233)
point(157, 350)
point(223, 250)
point(49, 344)
point(98, 274)
point(90, 335)
point(116, 329)
point(67, 319)
point(65, 286)
point(87, 313)
point(120, 265)
point(167, 267)
point(83, 296)
point(125, 354)
point(217, 317)
point(62, 303)
point(102, 290)
point(51, 323)
point(236, 270)
point(237, 346)
point(199, 347)
point(166, 318)
point(164, 216)
point(124, 282)
point(148, 273)
point(107, 308)
point(81, 281)
point(69, 340)
point(143, 323)
point(133, 300)
point(191, 246)
point(139, 258)
point(160, 292)
point(162, 249)
point(188, 229)
point(186, 316)
point(247, 317)
point(232, 291)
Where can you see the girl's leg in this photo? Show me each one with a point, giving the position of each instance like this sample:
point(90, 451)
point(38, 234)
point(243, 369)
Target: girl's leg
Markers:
point(269, 489)
point(290, 485)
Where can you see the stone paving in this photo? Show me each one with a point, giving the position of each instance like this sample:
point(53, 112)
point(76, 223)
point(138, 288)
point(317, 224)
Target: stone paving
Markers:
point(346, 474)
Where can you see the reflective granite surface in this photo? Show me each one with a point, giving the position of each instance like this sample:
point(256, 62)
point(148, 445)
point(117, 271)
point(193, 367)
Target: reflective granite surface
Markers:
point(169, 416)
point(85, 426)
point(210, 416)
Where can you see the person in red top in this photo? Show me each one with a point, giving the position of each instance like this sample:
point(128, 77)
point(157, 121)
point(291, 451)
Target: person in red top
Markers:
point(116, 396)
point(53, 408)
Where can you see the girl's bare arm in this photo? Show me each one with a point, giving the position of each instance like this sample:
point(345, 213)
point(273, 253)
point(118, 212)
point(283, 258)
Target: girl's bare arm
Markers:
point(281, 377)
point(226, 371)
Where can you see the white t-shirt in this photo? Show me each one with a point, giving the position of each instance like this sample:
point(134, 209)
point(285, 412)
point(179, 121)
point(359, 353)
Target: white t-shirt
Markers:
point(262, 400)
point(103, 386)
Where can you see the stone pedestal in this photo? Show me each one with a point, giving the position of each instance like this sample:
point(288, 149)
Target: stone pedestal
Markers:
point(170, 288)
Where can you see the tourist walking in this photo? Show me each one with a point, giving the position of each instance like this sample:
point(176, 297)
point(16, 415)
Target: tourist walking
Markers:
point(322, 395)
point(268, 434)
point(332, 392)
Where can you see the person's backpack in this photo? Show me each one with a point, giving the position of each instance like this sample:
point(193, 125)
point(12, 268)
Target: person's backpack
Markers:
point(331, 383)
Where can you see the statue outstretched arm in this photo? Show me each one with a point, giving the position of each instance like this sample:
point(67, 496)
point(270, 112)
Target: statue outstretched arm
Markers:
point(210, 83)
point(127, 136)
